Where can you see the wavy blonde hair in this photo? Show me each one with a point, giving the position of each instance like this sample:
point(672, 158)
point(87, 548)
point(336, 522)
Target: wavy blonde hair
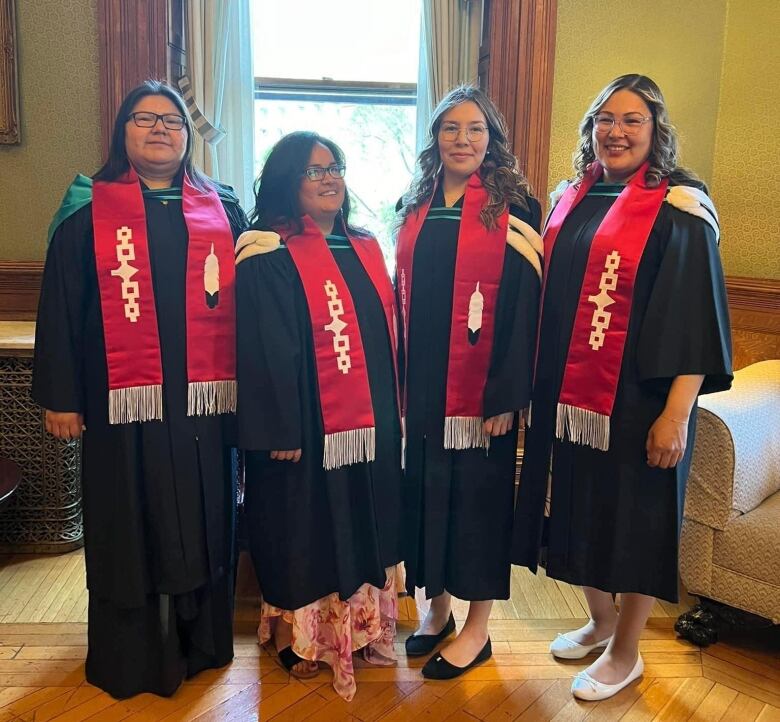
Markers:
point(664, 146)
point(504, 182)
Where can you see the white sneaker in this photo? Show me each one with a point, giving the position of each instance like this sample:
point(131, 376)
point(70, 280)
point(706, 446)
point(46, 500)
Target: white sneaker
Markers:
point(565, 648)
point(587, 688)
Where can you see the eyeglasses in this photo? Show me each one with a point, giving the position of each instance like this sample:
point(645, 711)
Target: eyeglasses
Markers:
point(474, 133)
point(143, 119)
point(631, 124)
point(317, 172)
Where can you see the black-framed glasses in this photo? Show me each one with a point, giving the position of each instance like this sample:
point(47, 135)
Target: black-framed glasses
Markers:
point(144, 119)
point(474, 133)
point(317, 172)
point(630, 124)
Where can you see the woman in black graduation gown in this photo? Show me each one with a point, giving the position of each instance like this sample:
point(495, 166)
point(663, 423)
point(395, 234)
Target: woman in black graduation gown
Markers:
point(323, 519)
point(468, 279)
point(158, 495)
point(615, 500)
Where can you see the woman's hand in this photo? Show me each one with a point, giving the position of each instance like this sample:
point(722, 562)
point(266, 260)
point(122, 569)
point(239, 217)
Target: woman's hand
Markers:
point(499, 425)
point(666, 442)
point(64, 424)
point(293, 455)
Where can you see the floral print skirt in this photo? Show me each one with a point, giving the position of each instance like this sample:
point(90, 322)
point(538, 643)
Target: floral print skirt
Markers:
point(331, 630)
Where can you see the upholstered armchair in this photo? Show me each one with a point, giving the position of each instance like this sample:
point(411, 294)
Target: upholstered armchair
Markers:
point(730, 545)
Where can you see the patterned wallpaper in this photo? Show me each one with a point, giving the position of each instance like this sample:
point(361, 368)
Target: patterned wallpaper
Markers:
point(60, 124)
point(716, 62)
point(747, 152)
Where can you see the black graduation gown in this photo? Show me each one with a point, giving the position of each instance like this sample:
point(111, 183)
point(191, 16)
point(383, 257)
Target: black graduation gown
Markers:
point(158, 497)
point(614, 521)
point(458, 504)
point(312, 532)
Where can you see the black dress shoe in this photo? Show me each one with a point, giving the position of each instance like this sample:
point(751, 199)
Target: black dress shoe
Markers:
point(418, 645)
point(439, 668)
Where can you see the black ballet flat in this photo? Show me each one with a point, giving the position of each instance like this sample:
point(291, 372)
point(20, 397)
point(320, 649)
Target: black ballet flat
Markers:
point(418, 645)
point(439, 668)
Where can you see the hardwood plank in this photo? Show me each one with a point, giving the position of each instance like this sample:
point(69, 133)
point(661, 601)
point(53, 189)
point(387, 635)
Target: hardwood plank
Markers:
point(332, 706)
point(496, 693)
point(652, 701)
point(281, 700)
point(549, 702)
point(685, 700)
point(769, 714)
point(79, 704)
point(737, 659)
point(715, 704)
point(205, 701)
point(9, 695)
point(244, 706)
point(412, 704)
point(616, 707)
point(387, 699)
point(743, 709)
point(740, 679)
point(452, 701)
point(52, 652)
point(35, 699)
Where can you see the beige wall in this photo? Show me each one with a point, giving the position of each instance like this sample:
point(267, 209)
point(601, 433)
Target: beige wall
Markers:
point(746, 181)
point(60, 124)
point(717, 62)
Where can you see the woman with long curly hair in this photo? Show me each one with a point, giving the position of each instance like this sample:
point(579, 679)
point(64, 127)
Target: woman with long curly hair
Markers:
point(468, 240)
point(634, 326)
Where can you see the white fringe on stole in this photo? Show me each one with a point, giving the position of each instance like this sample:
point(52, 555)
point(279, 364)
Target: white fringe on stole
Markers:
point(206, 398)
point(135, 403)
point(582, 426)
point(349, 447)
point(403, 443)
point(529, 414)
point(465, 432)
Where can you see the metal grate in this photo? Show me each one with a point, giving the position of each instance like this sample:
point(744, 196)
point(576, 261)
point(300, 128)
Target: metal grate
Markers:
point(44, 515)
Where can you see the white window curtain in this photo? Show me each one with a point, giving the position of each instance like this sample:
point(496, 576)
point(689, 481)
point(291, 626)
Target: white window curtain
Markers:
point(221, 85)
point(449, 54)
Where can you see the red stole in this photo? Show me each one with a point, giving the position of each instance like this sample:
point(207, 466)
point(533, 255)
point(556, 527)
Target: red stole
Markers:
point(478, 267)
point(598, 337)
point(127, 302)
point(342, 375)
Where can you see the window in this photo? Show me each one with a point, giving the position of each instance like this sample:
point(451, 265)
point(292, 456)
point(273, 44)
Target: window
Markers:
point(347, 70)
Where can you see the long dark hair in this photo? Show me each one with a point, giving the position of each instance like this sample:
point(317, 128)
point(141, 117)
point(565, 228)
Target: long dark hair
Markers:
point(276, 188)
point(500, 173)
point(118, 163)
point(664, 146)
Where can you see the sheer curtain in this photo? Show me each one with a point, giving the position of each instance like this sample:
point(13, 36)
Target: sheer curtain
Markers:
point(449, 53)
point(219, 90)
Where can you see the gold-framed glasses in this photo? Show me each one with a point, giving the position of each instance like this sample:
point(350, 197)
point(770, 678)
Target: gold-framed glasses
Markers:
point(630, 124)
point(474, 133)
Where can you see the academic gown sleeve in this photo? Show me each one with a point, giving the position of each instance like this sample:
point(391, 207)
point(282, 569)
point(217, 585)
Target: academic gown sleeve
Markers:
point(269, 353)
point(510, 377)
point(686, 327)
point(58, 373)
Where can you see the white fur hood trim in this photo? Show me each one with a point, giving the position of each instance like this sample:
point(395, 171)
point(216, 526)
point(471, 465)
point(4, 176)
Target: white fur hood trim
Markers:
point(526, 241)
point(252, 243)
point(696, 202)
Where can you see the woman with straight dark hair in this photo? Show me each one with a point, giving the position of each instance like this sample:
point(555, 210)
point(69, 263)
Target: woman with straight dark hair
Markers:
point(634, 326)
point(134, 354)
point(468, 275)
point(318, 416)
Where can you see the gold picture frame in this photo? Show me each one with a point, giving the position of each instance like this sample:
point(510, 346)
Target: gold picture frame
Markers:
point(9, 85)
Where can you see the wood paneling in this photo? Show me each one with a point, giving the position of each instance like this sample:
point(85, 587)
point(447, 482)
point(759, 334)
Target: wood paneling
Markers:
point(754, 304)
point(516, 67)
point(133, 47)
point(20, 286)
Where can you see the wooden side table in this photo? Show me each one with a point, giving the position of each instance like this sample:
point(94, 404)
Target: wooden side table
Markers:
point(44, 514)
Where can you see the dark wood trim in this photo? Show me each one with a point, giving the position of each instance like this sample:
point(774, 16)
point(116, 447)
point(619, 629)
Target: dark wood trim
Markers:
point(20, 286)
point(518, 66)
point(133, 38)
point(753, 294)
point(10, 132)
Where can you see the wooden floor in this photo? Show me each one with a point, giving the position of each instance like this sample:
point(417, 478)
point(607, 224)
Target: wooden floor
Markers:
point(43, 644)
